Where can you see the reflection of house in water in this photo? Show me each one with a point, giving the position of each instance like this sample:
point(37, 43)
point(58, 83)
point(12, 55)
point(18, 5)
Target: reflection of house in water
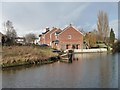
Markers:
point(68, 38)
point(105, 71)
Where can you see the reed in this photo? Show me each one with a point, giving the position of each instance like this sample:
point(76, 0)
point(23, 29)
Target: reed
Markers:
point(20, 55)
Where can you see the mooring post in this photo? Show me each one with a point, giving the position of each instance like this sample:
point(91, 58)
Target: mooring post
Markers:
point(70, 55)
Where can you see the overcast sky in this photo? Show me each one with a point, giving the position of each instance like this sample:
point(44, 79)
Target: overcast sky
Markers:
point(35, 16)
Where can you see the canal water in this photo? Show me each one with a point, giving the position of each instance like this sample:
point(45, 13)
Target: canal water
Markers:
point(92, 70)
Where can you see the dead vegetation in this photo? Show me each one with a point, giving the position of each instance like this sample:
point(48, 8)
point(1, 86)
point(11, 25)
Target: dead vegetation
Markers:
point(19, 55)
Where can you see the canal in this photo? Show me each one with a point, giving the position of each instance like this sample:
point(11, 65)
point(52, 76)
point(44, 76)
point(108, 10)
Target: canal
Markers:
point(92, 70)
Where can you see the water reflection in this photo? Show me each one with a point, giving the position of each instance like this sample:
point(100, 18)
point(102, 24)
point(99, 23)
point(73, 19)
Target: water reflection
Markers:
point(87, 71)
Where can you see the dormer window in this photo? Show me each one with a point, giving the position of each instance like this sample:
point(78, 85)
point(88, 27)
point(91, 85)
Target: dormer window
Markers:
point(55, 34)
point(56, 37)
point(69, 37)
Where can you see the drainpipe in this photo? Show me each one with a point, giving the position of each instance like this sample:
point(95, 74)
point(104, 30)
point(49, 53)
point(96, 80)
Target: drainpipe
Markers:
point(44, 39)
point(50, 39)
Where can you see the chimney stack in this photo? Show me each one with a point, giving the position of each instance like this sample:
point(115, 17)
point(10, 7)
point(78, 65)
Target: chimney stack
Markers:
point(47, 29)
point(70, 24)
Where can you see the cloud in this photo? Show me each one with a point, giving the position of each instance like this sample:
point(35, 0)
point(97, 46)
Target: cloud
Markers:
point(112, 24)
point(0, 17)
point(60, 1)
point(76, 13)
point(88, 27)
point(34, 17)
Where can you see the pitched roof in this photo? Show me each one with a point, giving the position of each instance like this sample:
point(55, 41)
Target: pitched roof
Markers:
point(49, 32)
point(70, 27)
point(1, 33)
point(20, 38)
point(57, 31)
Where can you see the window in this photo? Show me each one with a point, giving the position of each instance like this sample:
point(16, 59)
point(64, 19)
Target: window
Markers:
point(69, 36)
point(73, 46)
point(57, 37)
point(66, 46)
point(77, 46)
point(55, 34)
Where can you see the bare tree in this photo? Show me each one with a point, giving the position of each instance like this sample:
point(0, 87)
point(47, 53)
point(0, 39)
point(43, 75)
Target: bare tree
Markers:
point(90, 39)
point(10, 32)
point(30, 38)
point(103, 26)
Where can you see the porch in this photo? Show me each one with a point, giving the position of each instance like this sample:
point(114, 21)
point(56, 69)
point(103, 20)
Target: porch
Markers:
point(70, 46)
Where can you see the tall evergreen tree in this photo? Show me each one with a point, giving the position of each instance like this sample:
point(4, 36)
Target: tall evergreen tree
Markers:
point(112, 36)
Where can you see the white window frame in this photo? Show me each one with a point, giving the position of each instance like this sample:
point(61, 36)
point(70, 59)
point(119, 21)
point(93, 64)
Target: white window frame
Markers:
point(69, 36)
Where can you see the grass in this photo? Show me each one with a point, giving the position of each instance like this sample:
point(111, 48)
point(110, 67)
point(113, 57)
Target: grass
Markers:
point(19, 55)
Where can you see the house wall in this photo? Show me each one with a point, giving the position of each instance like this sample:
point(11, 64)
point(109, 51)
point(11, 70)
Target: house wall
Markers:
point(68, 38)
point(76, 38)
point(45, 39)
point(49, 37)
point(53, 37)
point(42, 39)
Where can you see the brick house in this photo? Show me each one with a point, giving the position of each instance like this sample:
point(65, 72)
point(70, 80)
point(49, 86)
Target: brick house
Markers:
point(68, 38)
point(49, 37)
point(54, 37)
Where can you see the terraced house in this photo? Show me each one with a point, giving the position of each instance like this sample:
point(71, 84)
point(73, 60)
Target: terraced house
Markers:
point(68, 38)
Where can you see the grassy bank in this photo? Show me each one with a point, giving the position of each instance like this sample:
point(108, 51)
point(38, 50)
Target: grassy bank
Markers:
point(21, 55)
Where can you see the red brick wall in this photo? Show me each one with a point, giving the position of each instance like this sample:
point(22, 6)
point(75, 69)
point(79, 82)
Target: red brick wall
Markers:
point(46, 39)
point(42, 39)
point(76, 37)
point(53, 37)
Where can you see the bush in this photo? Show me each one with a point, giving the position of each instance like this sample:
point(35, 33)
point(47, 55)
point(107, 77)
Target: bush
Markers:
point(116, 47)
